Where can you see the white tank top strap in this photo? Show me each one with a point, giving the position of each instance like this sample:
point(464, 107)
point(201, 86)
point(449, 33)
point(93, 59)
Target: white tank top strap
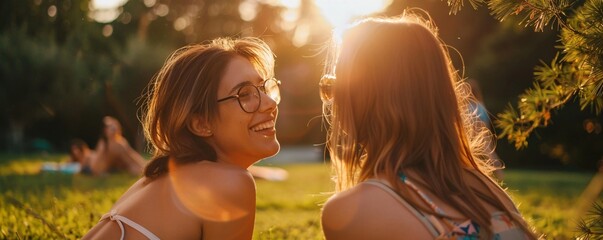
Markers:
point(113, 216)
point(432, 224)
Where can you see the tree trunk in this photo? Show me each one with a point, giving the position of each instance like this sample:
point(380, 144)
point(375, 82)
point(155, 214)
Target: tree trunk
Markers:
point(15, 136)
point(590, 194)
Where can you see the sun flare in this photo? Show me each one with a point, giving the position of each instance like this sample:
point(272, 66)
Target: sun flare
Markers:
point(105, 4)
point(105, 11)
point(341, 12)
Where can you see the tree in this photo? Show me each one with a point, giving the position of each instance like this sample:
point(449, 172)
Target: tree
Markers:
point(57, 59)
point(576, 71)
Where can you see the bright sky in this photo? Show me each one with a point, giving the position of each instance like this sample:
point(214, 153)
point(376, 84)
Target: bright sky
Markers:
point(105, 10)
point(337, 12)
point(341, 12)
point(107, 4)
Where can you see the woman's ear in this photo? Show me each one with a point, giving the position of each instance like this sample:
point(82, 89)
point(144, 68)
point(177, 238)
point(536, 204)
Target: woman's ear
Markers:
point(199, 126)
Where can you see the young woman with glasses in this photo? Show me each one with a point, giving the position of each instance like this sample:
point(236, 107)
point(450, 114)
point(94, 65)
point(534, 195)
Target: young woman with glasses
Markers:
point(402, 143)
point(210, 114)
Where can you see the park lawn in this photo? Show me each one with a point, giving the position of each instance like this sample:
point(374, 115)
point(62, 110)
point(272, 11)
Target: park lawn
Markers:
point(72, 204)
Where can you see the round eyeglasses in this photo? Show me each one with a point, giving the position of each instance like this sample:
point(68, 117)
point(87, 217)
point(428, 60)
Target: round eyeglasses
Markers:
point(250, 98)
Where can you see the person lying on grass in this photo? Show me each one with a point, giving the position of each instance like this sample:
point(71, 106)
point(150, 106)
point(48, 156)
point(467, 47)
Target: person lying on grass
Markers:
point(112, 154)
point(116, 155)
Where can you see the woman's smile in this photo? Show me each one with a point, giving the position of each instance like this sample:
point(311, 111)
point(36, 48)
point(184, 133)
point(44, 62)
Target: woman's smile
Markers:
point(267, 126)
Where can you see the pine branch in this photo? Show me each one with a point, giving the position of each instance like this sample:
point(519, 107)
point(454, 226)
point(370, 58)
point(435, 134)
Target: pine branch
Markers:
point(536, 13)
point(551, 91)
point(591, 226)
point(578, 73)
point(556, 84)
point(456, 5)
point(584, 49)
point(591, 92)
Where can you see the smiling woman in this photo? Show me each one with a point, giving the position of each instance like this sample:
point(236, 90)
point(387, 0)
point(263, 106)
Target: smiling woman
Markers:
point(210, 114)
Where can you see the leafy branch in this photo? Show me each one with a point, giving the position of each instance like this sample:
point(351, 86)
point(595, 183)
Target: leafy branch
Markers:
point(578, 73)
point(534, 13)
point(457, 5)
point(537, 13)
point(591, 227)
point(554, 87)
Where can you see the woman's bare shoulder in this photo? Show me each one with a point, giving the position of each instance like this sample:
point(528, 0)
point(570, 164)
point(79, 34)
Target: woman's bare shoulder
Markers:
point(132, 190)
point(368, 212)
point(223, 196)
point(218, 186)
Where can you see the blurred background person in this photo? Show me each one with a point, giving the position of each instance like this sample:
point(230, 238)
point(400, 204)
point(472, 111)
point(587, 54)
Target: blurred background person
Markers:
point(113, 152)
point(79, 156)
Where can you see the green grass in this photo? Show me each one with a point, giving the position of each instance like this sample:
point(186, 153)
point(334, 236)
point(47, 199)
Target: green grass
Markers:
point(548, 199)
point(285, 210)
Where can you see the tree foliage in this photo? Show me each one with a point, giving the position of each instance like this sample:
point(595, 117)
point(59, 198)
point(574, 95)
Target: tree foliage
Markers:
point(591, 227)
point(107, 64)
point(576, 71)
point(56, 60)
point(65, 67)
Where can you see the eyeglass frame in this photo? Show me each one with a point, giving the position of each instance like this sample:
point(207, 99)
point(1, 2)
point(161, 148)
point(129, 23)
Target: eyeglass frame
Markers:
point(260, 89)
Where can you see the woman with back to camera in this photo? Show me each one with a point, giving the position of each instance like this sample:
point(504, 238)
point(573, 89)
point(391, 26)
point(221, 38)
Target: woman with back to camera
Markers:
point(210, 115)
point(401, 141)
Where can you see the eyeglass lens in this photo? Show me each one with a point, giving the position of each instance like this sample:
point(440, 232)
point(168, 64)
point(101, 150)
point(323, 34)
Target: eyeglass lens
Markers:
point(250, 98)
point(272, 90)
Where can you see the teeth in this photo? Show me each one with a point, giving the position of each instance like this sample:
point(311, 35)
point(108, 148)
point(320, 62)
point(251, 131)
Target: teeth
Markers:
point(263, 126)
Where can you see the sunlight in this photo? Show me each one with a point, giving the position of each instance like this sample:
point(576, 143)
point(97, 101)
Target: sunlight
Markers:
point(105, 4)
point(105, 11)
point(187, 193)
point(341, 12)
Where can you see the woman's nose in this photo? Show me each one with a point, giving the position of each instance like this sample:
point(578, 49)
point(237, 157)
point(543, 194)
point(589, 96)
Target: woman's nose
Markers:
point(267, 103)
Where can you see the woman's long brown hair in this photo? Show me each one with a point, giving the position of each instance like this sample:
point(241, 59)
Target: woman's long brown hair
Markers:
point(186, 86)
point(398, 106)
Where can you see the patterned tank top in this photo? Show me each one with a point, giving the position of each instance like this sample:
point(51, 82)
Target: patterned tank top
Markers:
point(503, 226)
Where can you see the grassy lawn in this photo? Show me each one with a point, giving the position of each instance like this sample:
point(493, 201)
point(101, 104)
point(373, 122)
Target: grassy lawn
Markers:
point(72, 204)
